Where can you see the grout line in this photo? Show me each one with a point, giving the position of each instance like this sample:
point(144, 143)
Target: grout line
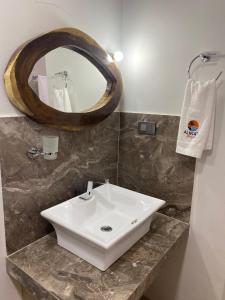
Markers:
point(148, 113)
point(174, 218)
point(8, 256)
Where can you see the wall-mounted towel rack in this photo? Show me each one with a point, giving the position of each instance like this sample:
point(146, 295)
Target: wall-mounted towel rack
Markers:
point(205, 57)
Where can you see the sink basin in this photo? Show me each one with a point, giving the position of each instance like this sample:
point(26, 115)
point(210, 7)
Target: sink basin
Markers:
point(101, 229)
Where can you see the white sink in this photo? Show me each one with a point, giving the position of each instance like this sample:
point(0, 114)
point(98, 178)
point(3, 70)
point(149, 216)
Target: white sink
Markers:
point(123, 214)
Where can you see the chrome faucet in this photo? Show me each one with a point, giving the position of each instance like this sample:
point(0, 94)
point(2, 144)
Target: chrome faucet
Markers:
point(88, 195)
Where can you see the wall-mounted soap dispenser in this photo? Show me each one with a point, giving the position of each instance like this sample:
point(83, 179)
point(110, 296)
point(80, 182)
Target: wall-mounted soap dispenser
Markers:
point(50, 148)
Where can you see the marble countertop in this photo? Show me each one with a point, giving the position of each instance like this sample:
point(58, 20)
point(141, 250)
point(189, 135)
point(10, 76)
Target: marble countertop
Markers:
point(50, 272)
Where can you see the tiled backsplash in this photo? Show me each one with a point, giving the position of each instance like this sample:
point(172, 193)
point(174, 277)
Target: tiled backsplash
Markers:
point(145, 164)
point(150, 165)
point(29, 186)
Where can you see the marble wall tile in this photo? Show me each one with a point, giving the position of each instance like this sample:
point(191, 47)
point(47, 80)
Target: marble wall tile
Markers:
point(146, 164)
point(150, 165)
point(29, 186)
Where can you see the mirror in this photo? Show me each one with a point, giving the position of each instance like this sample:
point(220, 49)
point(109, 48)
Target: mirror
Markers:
point(67, 81)
point(79, 85)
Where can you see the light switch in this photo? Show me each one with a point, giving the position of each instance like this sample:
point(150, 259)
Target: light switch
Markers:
point(148, 128)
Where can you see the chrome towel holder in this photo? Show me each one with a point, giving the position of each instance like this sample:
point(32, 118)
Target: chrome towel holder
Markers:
point(205, 57)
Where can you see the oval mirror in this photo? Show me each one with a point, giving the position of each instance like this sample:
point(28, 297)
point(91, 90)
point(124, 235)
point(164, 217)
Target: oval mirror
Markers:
point(63, 79)
point(67, 81)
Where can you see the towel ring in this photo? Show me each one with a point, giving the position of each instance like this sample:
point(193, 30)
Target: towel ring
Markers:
point(204, 58)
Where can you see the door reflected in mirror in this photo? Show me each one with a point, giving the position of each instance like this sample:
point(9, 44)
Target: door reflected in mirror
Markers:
point(67, 81)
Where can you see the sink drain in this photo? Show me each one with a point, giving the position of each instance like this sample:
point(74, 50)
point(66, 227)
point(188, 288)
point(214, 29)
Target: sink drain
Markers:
point(106, 228)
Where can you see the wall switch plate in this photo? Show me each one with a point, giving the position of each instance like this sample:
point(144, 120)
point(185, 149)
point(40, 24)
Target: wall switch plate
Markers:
point(148, 128)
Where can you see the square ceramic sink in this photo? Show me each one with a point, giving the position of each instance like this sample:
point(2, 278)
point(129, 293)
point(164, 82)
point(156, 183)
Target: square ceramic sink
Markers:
point(103, 228)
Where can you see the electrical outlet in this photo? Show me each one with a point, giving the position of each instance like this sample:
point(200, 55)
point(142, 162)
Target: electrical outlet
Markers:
point(148, 128)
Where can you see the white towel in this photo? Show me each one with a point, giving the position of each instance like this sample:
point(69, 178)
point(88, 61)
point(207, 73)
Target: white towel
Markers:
point(67, 103)
point(61, 100)
point(43, 88)
point(197, 118)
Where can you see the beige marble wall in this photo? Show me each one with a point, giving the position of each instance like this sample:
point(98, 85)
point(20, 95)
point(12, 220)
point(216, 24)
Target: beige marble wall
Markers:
point(146, 164)
point(29, 186)
point(150, 165)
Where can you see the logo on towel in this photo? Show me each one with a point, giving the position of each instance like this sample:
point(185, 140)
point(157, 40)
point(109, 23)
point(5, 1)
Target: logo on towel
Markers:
point(192, 128)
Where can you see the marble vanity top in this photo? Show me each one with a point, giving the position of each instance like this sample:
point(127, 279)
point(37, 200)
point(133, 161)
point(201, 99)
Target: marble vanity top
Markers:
point(51, 273)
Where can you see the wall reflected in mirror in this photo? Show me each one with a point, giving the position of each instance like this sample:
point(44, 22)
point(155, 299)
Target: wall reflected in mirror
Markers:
point(67, 81)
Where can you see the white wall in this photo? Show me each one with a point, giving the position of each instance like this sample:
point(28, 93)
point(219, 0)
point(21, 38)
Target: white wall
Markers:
point(159, 40)
point(200, 275)
point(23, 20)
point(203, 272)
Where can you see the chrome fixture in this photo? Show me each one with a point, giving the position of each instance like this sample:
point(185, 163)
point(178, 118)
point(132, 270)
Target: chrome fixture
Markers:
point(205, 57)
point(88, 195)
point(50, 148)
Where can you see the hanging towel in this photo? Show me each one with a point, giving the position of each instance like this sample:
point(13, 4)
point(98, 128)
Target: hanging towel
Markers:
point(67, 103)
point(197, 118)
point(61, 100)
point(43, 88)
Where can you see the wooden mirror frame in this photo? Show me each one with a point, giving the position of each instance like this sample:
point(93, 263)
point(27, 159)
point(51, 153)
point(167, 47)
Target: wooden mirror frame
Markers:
point(23, 97)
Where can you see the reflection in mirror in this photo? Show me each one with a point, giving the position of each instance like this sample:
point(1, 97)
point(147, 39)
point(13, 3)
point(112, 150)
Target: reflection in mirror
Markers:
point(67, 81)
